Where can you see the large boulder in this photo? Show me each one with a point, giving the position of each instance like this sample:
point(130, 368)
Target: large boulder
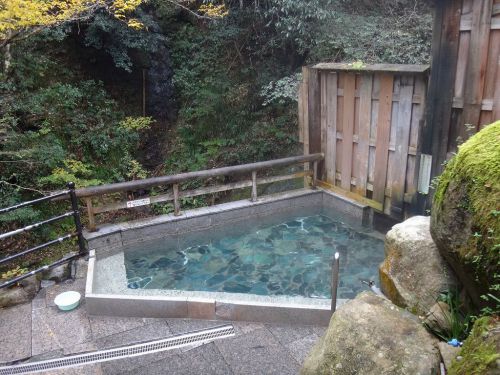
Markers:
point(370, 335)
point(465, 220)
point(24, 292)
point(480, 353)
point(414, 273)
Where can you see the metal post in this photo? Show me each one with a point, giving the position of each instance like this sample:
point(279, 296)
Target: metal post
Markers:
point(254, 186)
point(76, 217)
point(177, 205)
point(335, 280)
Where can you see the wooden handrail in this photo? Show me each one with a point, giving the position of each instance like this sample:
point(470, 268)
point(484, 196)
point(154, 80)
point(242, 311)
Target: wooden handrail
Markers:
point(182, 177)
point(177, 194)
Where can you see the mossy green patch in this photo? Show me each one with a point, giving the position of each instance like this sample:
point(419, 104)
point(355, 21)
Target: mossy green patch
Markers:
point(476, 168)
point(479, 353)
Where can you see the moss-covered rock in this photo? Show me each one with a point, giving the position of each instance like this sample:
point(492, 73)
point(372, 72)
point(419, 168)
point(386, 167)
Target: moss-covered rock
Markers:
point(480, 354)
point(465, 220)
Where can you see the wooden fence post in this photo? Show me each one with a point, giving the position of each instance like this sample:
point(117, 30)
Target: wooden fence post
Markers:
point(90, 214)
point(254, 186)
point(177, 204)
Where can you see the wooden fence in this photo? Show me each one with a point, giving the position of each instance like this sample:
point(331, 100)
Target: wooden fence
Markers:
point(94, 195)
point(367, 121)
point(464, 87)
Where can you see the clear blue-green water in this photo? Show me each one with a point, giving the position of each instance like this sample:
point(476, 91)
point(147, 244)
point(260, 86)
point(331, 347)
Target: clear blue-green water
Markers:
point(289, 256)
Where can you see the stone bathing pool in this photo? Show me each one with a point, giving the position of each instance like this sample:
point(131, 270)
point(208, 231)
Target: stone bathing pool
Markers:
point(264, 261)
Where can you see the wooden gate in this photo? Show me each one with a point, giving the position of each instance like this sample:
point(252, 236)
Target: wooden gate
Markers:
point(367, 121)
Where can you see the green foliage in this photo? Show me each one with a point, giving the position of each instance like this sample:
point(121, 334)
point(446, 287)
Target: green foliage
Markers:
point(114, 37)
point(477, 168)
point(17, 271)
point(299, 21)
point(479, 352)
point(282, 91)
point(457, 323)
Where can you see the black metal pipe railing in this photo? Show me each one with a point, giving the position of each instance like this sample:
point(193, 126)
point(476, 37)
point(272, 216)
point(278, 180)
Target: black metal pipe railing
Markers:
point(35, 201)
point(76, 217)
point(36, 248)
point(75, 213)
point(36, 225)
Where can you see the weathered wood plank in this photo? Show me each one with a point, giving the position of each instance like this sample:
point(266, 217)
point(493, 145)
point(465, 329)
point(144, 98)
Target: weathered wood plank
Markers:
point(396, 68)
point(383, 134)
point(348, 130)
point(415, 135)
point(402, 145)
point(331, 127)
point(491, 68)
point(463, 52)
point(444, 60)
point(305, 106)
point(496, 99)
point(476, 64)
point(363, 200)
point(314, 112)
point(365, 110)
point(323, 114)
point(340, 124)
point(300, 112)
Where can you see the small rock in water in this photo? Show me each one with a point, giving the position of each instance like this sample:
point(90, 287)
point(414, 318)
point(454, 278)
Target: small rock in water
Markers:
point(161, 263)
point(297, 278)
point(274, 285)
point(214, 280)
point(203, 249)
point(133, 285)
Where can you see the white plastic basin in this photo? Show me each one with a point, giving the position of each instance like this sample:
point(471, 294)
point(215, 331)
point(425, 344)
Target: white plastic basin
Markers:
point(68, 300)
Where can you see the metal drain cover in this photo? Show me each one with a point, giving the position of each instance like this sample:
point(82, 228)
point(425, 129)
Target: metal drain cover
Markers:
point(173, 342)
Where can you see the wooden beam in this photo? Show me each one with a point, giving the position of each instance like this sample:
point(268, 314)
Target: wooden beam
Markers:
point(349, 194)
point(383, 134)
point(348, 130)
point(363, 139)
point(476, 65)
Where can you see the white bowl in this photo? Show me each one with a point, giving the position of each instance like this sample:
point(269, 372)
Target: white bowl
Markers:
point(68, 300)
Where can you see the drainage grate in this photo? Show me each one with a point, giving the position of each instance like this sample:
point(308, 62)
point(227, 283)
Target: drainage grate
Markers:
point(178, 341)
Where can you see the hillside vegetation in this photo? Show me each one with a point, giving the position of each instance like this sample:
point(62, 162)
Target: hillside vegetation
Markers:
point(219, 79)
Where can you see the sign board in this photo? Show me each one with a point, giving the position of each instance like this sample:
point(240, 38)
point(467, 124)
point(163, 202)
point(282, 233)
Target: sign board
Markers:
point(138, 202)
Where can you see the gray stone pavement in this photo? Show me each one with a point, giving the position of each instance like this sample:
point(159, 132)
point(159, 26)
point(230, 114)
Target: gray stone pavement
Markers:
point(38, 330)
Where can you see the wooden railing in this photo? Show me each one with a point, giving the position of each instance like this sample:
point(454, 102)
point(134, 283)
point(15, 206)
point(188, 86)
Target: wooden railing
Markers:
point(175, 180)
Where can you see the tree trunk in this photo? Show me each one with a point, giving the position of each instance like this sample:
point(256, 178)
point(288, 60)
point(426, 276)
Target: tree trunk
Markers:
point(7, 59)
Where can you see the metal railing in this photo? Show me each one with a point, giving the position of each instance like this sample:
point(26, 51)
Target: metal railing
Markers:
point(176, 193)
point(71, 194)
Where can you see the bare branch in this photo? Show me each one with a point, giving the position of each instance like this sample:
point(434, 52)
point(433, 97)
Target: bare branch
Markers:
point(44, 193)
point(197, 15)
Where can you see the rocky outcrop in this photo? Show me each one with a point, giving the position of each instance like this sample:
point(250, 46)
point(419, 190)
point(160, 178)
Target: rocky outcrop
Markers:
point(480, 353)
point(465, 213)
point(414, 273)
point(370, 335)
point(24, 292)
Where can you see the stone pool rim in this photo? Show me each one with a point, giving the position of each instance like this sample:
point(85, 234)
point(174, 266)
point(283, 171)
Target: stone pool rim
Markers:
point(159, 303)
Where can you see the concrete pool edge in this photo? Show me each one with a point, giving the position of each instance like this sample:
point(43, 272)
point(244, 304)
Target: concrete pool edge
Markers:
point(206, 305)
point(116, 300)
point(115, 236)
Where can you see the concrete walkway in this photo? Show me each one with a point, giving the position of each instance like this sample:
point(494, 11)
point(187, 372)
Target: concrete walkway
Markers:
point(38, 331)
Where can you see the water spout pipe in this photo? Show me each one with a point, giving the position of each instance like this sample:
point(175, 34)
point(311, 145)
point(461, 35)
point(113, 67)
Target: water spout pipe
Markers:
point(335, 280)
